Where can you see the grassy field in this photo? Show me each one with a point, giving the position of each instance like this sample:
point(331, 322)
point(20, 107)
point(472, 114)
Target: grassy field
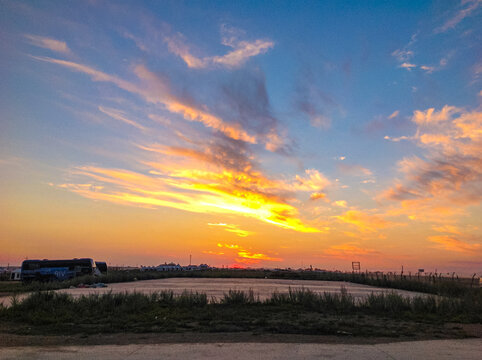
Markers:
point(297, 312)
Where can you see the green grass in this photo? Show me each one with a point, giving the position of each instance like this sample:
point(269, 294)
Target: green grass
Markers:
point(298, 311)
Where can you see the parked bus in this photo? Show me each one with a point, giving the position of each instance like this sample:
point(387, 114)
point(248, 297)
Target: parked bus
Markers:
point(49, 270)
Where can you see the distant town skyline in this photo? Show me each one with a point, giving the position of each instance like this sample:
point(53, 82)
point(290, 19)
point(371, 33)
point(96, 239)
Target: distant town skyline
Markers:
point(249, 134)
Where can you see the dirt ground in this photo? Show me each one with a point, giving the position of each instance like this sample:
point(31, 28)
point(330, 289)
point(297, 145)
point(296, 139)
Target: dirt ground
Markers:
point(7, 339)
point(467, 349)
point(215, 288)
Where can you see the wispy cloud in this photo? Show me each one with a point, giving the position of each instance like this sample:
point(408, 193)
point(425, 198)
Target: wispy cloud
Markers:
point(312, 180)
point(241, 51)
point(354, 169)
point(452, 243)
point(451, 229)
point(316, 104)
point(139, 42)
point(245, 100)
point(120, 116)
point(156, 90)
point(247, 256)
point(233, 229)
point(49, 43)
point(402, 55)
point(449, 177)
point(394, 114)
point(364, 221)
point(470, 7)
point(429, 69)
point(408, 66)
point(340, 203)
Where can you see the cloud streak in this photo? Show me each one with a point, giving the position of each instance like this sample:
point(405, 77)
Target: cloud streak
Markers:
point(233, 229)
point(246, 256)
point(156, 90)
point(452, 243)
point(241, 51)
point(472, 5)
point(120, 116)
point(49, 43)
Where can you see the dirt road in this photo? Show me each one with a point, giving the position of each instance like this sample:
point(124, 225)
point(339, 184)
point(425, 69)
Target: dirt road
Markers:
point(438, 349)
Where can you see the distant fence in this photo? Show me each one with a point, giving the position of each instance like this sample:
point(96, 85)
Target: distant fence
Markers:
point(422, 277)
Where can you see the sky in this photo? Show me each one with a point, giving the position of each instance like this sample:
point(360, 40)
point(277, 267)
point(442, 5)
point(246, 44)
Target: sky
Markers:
point(246, 134)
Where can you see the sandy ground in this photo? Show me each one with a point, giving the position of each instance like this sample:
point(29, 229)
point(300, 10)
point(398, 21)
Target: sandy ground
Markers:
point(217, 287)
point(437, 349)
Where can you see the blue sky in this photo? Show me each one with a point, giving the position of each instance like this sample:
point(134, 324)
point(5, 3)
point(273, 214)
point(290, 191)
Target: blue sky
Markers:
point(342, 126)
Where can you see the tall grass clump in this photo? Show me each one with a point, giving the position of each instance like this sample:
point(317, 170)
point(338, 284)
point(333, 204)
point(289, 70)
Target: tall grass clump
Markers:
point(239, 297)
point(341, 302)
point(390, 303)
point(301, 297)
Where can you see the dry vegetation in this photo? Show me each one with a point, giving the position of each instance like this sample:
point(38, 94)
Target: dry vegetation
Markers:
point(300, 311)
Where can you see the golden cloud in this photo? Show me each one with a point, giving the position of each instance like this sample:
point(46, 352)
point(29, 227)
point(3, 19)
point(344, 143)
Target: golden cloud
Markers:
point(233, 228)
point(246, 256)
point(452, 243)
point(363, 221)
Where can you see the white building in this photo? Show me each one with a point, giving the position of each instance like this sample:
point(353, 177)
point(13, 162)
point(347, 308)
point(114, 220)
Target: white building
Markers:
point(169, 267)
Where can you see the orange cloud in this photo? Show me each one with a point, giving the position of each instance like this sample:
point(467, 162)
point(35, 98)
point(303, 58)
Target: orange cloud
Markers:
point(155, 90)
point(228, 246)
point(194, 114)
point(131, 188)
point(349, 250)
point(257, 256)
point(340, 203)
point(447, 229)
point(451, 243)
point(363, 221)
point(449, 177)
point(312, 181)
point(245, 256)
point(430, 116)
point(394, 114)
point(316, 196)
point(233, 228)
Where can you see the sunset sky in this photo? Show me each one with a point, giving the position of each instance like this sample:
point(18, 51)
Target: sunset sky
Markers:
point(246, 133)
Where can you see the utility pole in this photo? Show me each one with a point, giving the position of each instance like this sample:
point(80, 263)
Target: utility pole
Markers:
point(190, 258)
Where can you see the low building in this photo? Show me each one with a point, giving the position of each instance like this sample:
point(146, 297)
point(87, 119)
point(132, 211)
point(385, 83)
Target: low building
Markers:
point(169, 267)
